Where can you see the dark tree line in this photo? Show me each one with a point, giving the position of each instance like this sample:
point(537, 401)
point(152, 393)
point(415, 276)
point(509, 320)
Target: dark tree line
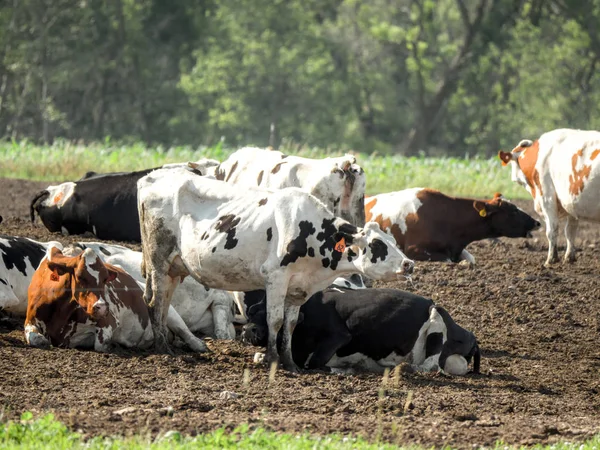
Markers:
point(440, 76)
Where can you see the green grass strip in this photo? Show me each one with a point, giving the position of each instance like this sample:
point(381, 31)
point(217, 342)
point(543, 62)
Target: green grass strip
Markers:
point(64, 161)
point(48, 433)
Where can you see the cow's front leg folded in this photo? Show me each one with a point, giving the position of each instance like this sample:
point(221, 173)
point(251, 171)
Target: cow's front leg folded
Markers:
point(34, 337)
point(103, 340)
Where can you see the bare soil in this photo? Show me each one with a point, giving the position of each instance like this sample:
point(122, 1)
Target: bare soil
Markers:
point(538, 328)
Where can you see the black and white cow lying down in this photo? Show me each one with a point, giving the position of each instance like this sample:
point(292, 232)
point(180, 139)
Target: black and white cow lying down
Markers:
point(102, 204)
point(207, 311)
point(284, 240)
point(370, 329)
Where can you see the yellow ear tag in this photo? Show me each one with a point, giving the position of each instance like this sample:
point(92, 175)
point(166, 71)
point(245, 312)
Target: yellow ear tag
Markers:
point(340, 246)
point(483, 213)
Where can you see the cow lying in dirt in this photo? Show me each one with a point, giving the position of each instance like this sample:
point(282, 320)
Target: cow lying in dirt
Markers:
point(431, 226)
point(370, 329)
point(81, 302)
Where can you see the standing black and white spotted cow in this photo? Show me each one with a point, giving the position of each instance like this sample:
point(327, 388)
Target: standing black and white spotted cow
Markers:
point(102, 204)
point(285, 240)
point(370, 329)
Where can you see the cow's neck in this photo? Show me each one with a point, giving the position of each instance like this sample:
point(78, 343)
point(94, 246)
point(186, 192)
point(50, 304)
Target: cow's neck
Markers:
point(466, 223)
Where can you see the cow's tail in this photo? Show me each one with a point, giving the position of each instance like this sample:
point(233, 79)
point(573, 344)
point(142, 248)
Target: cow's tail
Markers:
point(35, 202)
point(476, 359)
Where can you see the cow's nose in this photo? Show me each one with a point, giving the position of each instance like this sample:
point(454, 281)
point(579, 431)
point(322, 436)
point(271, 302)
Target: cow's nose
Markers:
point(407, 266)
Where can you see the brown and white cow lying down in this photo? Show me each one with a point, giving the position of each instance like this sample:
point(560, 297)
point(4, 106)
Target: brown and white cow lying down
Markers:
point(561, 171)
point(82, 302)
point(285, 241)
point(431, 226)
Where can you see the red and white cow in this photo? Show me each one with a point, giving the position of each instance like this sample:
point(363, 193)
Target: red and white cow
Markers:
point(431, 226)
point(338, 182)
point(80, 301)
point(204, 310)
point(285, 241)
point(561, 171)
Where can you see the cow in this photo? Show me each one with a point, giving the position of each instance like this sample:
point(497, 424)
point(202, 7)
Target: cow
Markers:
point(286, 241)
point(561, 171)
point(338, 182)
point(19, 259)
point(370, 329)
point(204, 310)
point(430, 226)
point(1, 219)
point(102, 204)
point(82, 302)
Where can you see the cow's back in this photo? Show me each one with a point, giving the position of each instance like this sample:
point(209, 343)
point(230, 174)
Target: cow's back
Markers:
point(570, 161)
point(19, 258)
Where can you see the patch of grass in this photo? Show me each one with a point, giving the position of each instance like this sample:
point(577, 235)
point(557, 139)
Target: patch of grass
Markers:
point(48, 433)
point(64, 161)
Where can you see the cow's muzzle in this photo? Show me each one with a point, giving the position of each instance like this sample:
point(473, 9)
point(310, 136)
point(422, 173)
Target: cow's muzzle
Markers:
point(253, 334)
point(406, 268)
point(100, 309)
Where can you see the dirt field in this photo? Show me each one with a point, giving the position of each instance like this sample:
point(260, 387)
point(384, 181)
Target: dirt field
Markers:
point(538, 329)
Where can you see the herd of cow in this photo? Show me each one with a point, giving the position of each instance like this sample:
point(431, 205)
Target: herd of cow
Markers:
point(280, 244)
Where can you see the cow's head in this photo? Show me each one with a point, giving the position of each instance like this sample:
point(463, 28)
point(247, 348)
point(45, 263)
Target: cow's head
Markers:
point(504, 218)
point(82, 277)
point(343, 190)
point(523, 159)
point(376, 254)
point(459, 348)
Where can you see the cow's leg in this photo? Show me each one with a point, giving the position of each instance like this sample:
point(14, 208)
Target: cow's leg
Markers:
point(34, 336)
point(290, 320)
point(550, 212)
point(103, 340)
point(221, 309)
point(338, 337)
point(466, 256)
point(276, 292)
point(156, 295)
point(176, 324)
point(570, 233)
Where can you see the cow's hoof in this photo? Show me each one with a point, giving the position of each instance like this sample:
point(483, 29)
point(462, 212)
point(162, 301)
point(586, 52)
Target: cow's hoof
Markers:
point(37, 340)
point(198, 346)
point(291, 367)
point(570, 259)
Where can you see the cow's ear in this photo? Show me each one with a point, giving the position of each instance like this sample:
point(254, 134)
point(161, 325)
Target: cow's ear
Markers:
point(506, 157)
point(481, 208)
point(112, 275)
point(57, 270)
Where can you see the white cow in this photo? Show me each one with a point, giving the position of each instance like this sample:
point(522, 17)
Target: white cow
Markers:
point(338, 182)
point(204, 310)
point(561, 171)
point(285, 241)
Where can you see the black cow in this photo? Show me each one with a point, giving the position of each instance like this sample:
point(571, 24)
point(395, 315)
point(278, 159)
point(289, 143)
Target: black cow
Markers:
point(102, 204)
point(370, 329)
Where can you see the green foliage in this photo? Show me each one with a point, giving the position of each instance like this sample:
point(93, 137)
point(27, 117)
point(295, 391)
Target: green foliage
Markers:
point(63, 161)
point(48, 433)
point(444, 77)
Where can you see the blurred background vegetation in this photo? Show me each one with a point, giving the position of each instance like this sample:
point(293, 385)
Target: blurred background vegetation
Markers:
point(433, 77)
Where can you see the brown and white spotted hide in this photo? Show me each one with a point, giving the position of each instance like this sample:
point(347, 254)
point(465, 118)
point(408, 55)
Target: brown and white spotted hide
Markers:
point(561, 171)
point(430, 226)
point(80, 301)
